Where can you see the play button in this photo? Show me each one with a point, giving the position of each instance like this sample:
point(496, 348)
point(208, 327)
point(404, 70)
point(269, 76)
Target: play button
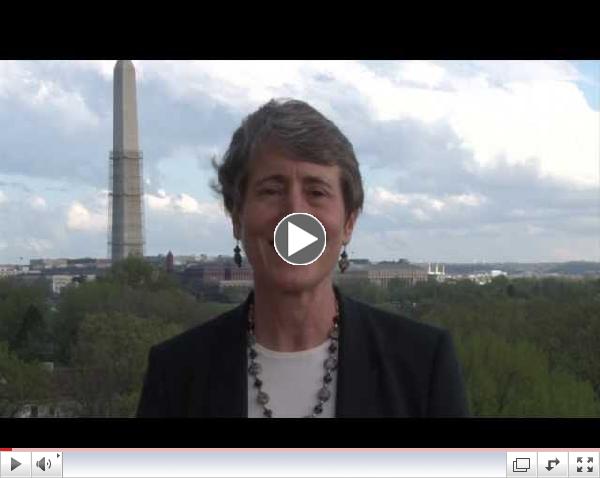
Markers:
point(299, 239)
point(14, 464)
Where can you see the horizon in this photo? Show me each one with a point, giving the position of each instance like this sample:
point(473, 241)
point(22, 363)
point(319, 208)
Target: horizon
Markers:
point(395, 260)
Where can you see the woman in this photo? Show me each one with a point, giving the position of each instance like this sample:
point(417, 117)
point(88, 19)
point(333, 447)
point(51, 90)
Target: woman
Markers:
point(297, 347)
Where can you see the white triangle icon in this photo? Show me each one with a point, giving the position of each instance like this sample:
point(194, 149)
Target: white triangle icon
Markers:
point(298, 239)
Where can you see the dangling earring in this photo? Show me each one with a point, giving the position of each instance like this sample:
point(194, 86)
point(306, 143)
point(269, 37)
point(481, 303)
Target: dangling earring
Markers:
point(237, 256)
point(343, 263)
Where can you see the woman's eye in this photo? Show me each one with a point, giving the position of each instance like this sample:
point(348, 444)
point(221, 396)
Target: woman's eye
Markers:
point(317, 193)
point(269, 192)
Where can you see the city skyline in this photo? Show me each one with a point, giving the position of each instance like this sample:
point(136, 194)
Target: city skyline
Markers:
point(462, 161)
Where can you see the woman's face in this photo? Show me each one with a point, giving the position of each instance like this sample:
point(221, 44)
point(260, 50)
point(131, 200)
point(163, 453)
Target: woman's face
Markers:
point(278, 185)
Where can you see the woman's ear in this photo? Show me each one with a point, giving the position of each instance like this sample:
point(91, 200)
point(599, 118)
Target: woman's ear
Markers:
point(349, 227)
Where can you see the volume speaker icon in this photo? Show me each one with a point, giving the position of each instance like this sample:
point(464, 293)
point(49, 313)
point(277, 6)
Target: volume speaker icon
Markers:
point(43, 463)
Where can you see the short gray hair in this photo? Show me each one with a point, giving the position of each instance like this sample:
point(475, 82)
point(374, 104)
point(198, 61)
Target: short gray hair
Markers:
point(298, 128)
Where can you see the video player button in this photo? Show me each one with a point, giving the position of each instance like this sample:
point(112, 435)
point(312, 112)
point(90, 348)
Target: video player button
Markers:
point(521, 464)
point(553, 464)
point(46, 463)
point(299, 239)
point(15, 464)
point(584, 464)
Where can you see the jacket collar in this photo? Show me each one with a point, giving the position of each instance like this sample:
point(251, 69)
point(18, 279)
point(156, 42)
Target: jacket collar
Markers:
point(357, 370)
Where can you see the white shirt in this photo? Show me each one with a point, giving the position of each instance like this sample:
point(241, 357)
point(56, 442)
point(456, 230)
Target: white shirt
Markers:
point(292, 380)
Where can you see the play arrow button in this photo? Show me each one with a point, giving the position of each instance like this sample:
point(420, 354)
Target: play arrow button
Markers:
point(299, 239)
point(14, 464)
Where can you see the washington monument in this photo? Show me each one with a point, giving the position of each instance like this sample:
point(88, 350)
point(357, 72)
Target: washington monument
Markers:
point(126, 190)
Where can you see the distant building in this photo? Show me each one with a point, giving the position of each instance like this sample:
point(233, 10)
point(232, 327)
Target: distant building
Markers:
point(86, 264)
point(103, 263)
point(81, 263)
point(30, 277)
point(360, 262)
point(480, 279)
point(438, 272)
point(383, 272)
point(170, 263)
point(246, 283)
point(223, 274)
point(189, 259)
point(40, 264)
point(9, 270)
point(59, 282)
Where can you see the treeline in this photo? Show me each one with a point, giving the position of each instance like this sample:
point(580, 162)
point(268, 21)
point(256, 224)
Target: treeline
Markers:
point(528, 347)
point(97, 335)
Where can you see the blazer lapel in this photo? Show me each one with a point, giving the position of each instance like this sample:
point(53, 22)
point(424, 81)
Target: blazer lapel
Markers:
point(357, 385)
point(228, 380)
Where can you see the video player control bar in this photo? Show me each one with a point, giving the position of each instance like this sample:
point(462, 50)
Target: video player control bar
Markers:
point(298, 463)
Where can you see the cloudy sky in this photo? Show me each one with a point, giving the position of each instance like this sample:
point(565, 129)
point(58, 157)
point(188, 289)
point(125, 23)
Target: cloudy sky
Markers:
point(462, 161)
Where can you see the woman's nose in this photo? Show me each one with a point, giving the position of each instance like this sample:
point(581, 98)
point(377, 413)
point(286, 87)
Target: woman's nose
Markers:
point(294, 201)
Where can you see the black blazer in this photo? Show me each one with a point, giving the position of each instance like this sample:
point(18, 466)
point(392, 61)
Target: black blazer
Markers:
point(389, 366)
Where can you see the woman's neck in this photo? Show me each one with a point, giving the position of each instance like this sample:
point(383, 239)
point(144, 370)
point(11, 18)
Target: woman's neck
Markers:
point(293, 321)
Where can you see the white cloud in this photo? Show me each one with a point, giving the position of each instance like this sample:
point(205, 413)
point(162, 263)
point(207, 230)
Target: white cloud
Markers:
point(422, 72)
point(100, 200)
point(517, 213)
point(516, 109)
point(198, 155)
point(471, 200)
point(381, 196)
point(104, 68)
point(79, 218)
point(524, 70)
point(158, 202)
point(34, 88)
point(380, 200)
point(437, 204)
point(546, 120)
point(241, 84)
point(38, 203)
point(3, 197)
point(185, 204)
point(519, 110)
point(534, 230)
point(420, 215)
point(38, 245)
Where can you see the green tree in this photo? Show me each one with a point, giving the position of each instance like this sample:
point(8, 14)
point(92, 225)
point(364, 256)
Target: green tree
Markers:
point(170, 305)
point(15, 300)
point(136, 272)
point(31, 341)
point(110, 359)
point(363, 290)
point(514, 379)
point(21, 383)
